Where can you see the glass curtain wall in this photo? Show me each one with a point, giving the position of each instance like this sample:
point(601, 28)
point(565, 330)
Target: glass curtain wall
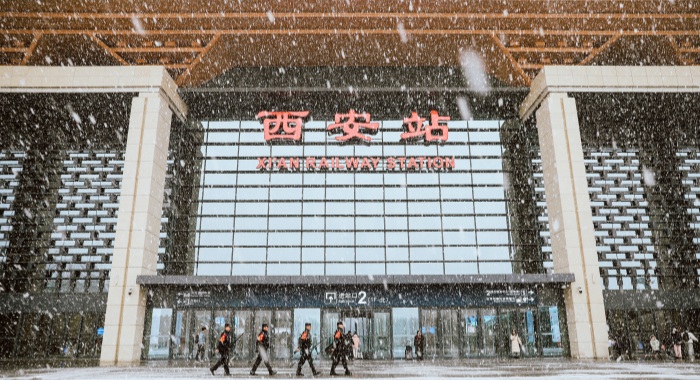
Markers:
point(251, 221)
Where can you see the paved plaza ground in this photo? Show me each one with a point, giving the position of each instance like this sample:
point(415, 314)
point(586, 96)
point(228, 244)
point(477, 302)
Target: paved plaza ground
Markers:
point(540, 369)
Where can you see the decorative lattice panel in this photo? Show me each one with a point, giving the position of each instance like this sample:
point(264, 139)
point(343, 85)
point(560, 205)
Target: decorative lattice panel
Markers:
point(621, 218)
point(542, 221)
point(690, 168)
point(10, 169)
point(84, 226)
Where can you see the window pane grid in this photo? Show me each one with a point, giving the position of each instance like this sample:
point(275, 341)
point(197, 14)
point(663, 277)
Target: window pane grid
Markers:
point(342, 218)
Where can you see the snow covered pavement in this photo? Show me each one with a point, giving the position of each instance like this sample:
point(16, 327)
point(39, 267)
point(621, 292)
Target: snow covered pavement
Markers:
point(463, 369)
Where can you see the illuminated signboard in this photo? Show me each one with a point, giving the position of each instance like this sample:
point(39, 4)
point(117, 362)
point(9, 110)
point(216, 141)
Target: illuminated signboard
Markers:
point(287, 126)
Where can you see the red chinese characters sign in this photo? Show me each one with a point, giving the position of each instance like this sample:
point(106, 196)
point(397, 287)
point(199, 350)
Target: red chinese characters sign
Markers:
point(435, 130)
point(282, 125)
point(352, 126)
point(288, 126)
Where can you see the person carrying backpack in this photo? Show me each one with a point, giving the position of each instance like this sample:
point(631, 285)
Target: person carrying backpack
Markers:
point(305, 348)
point(263, 346)
point(338, 351)
point(222, 347)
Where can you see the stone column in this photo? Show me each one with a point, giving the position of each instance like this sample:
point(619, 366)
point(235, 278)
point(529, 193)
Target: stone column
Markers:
point(138, 227)
point(571, 225)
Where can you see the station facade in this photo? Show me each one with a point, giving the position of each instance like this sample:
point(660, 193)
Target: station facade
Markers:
point(567, 211)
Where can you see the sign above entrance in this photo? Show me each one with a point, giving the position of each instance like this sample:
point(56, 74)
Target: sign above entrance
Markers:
point(357, 296)
point(287, 126)
point(352, 127)
point(282, 125)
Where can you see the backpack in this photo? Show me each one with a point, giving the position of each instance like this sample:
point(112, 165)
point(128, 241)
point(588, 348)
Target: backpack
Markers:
point(220, 345)
point(196, 338)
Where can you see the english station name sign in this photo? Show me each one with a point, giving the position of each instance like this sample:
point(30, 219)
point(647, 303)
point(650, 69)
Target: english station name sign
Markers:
point(351, 128)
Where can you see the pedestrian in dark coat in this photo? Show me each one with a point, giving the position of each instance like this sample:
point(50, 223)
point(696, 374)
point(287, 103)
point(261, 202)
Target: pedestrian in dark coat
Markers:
point(262, 344)
point(223, 346)
point(304, 347)
point(348, 346)
point(677, 340)
point(338, 351)
point(419, 345)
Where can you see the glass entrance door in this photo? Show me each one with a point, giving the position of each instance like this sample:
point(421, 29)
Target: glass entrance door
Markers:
point(373, 328)
point(449, 332)
point(405, 324)
point(202, 318)
point(360, 323)
point(429, 322)
point(521, 321)
point(330, 318)
point(440, 327)
point(243, 331)
point(489, 323)
point(301, 317)
point(281, 335)
point(471, 330)
point(381, 332)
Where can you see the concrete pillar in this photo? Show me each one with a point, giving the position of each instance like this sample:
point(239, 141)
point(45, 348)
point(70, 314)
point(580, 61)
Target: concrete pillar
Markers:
point(138, 228)
point(571, 225)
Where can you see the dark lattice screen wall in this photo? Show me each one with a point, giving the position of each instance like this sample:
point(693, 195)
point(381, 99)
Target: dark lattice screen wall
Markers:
point(10, 168)
point(87, 205)
point(542, 221)
point(621, 219)
point(621, 216)
point(690, 169)
point(85, 222)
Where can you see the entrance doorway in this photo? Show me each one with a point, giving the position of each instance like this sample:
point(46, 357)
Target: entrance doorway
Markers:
point(373, 328)
point(440, 327)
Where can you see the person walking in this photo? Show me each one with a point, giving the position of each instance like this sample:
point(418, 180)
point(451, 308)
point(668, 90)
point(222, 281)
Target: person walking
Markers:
point(677, 341)
point(304, 347)
point(348, 345)
point(655, 347)
point(627, 347)
point(355, 346)
point(419, 345)
point(201, 344)
point(263, 347)
point(338, 351)
point(222, 347)
point(515, 345)
point(690, 340)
